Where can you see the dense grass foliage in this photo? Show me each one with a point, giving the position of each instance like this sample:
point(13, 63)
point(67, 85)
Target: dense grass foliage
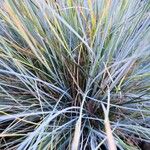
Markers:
point(74, 74)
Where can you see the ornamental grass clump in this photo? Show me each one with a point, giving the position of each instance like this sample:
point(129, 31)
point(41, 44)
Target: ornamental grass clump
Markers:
point(74, 74)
